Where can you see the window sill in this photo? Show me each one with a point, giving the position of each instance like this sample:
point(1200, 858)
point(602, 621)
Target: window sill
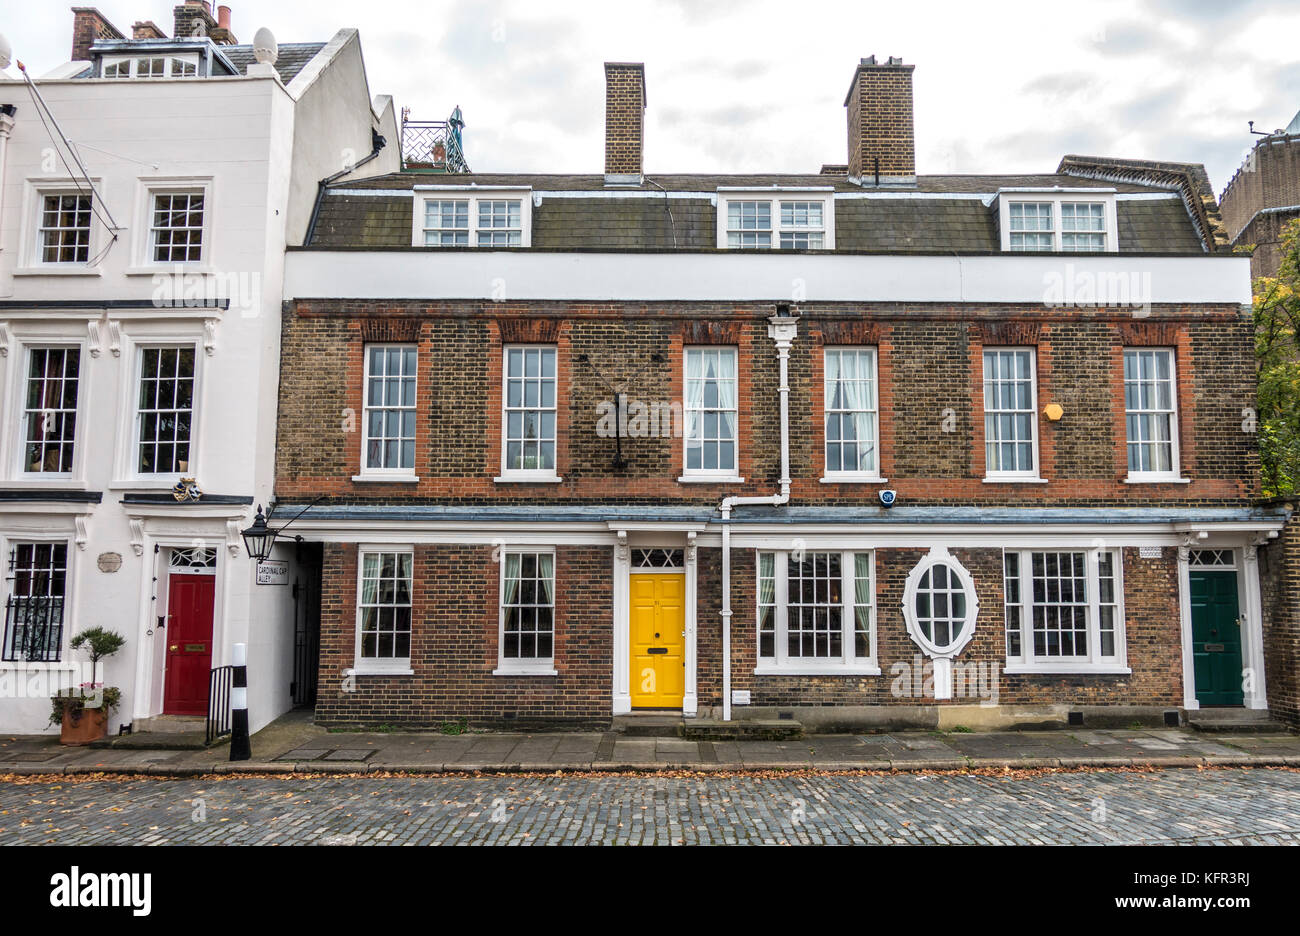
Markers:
point(710, 479)
point(380, 669)
point(528, 479)
point(831, 669)
point(200, 268)
point(525, 671)
point(385, 479)
point(1064, 669)
point(853, 479)
point(995, 479)
point(56, 269)
point(1141, 479)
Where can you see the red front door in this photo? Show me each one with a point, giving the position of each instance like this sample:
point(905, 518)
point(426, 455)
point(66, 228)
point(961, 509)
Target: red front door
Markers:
point(189, 644)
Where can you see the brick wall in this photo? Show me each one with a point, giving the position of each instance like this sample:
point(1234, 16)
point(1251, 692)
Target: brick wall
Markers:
point(1151, 619)
point(931, 423)
point(1279, 575)
point(1270, 178)
point(454, 645)
point(879, 107)
point(625, 102)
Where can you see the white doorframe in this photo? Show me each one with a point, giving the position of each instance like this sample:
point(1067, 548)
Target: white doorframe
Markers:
point(622, 690)
point(1250, 609)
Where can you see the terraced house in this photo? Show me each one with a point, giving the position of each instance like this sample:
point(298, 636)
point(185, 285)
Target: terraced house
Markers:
point(858, 446)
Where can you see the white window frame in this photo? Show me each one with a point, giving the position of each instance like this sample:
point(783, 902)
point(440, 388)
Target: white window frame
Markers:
point(142, 255)
point(1094, 662)
point(23, 374)
point(174, 65)
point(367, 473)
point(1174, 474)
point(527, 474)
point(939, 555)
point(33, 241)
point(380, 666)
point(7, 543)
point(133, 441)
point(833, 476)
point(514, 666)
point(773, 196)
point(716, 475)
point(1033, 473)
point(782, 664)
point(473, 195)
point(1055, 197)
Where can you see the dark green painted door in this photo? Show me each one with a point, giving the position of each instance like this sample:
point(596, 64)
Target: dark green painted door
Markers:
point(1216, 637)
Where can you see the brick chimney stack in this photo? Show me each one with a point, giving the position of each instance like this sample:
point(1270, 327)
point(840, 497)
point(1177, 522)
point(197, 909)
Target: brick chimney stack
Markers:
point(88, 27)
point(625, 101)
point(193, 18)
point(146, 29)
point(881, 137)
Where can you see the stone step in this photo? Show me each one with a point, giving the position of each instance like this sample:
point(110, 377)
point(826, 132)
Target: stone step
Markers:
point(749, 729)
point(1234, 720)
point(648, 725)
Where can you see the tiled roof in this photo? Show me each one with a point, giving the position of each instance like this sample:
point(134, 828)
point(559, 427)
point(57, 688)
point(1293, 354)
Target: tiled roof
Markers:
point(293, 57)
point(904, 225)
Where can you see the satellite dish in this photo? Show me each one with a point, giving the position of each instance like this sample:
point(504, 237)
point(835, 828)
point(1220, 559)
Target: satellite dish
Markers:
point(6, 52)
point(265, 49)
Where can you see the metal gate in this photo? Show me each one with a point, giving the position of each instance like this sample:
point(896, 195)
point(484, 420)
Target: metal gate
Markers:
point(306, 634)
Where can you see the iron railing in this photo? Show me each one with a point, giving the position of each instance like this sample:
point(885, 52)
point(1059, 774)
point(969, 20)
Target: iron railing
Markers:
point(433, 144)
point(219, 703)
point(33, 629)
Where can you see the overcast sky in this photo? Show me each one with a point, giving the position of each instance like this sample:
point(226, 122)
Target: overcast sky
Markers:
point(759, 85)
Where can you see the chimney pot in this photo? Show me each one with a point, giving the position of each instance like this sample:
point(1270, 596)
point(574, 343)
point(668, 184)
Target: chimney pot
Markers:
point(881, 136)
point(625, 102)
point(223, 17)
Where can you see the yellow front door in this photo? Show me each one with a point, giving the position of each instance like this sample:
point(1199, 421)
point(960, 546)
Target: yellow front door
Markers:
point(658, 639)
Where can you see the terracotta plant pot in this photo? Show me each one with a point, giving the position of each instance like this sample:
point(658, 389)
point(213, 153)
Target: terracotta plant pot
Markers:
point(90, 726)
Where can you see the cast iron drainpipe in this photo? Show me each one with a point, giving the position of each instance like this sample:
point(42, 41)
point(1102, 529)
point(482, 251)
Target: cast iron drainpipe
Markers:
point(377, 142)
point(782, 329)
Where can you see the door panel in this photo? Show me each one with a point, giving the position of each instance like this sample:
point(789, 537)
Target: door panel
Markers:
point(189, 644)
point(1216, 637)
point(657, 623)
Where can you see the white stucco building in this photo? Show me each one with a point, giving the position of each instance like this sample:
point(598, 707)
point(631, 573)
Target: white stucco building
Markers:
point(147, 192)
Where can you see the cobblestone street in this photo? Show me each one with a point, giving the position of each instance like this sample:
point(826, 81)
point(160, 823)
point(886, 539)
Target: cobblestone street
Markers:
point(1212, 806)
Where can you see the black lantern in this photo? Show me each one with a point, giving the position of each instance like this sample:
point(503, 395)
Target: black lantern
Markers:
point(259, 538)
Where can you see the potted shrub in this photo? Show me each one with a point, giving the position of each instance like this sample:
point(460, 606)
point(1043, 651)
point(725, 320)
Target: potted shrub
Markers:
point(82, 713)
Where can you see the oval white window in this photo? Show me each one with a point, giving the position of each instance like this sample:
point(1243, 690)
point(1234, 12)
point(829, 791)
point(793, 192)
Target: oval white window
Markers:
point(939, 604)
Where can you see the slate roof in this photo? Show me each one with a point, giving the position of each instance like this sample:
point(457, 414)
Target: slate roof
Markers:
point(652, 219)
point(293, 57)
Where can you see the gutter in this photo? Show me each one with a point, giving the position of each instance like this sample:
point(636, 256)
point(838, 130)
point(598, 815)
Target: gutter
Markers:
point(378, 143)
point(782, 329)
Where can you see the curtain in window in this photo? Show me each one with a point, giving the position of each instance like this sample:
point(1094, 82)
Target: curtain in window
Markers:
point(370, 578)
point(766, 586)
point(546, 574)
point(694, 394)
point(512, 578)
point(862, 594)
point(726, 383)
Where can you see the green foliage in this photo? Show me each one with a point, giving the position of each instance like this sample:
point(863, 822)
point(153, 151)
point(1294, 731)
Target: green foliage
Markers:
point(459, 726)
point(76, 701)
point(100, 643)
point(1277, 352)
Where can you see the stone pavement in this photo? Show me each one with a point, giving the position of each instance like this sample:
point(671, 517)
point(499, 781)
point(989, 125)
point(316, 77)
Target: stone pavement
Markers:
point(294, 745)
point(1227, 806)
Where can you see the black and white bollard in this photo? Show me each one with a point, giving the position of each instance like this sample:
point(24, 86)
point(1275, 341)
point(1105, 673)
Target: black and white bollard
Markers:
point(239, 746)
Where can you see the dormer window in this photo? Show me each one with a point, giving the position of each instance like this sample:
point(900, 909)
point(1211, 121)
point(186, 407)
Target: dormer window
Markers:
point(469, 217)
point(151, 66)
point(1056, 220)
point(750, 220)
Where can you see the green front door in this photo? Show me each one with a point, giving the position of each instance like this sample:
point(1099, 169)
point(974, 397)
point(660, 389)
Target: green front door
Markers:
point(1216, 637)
